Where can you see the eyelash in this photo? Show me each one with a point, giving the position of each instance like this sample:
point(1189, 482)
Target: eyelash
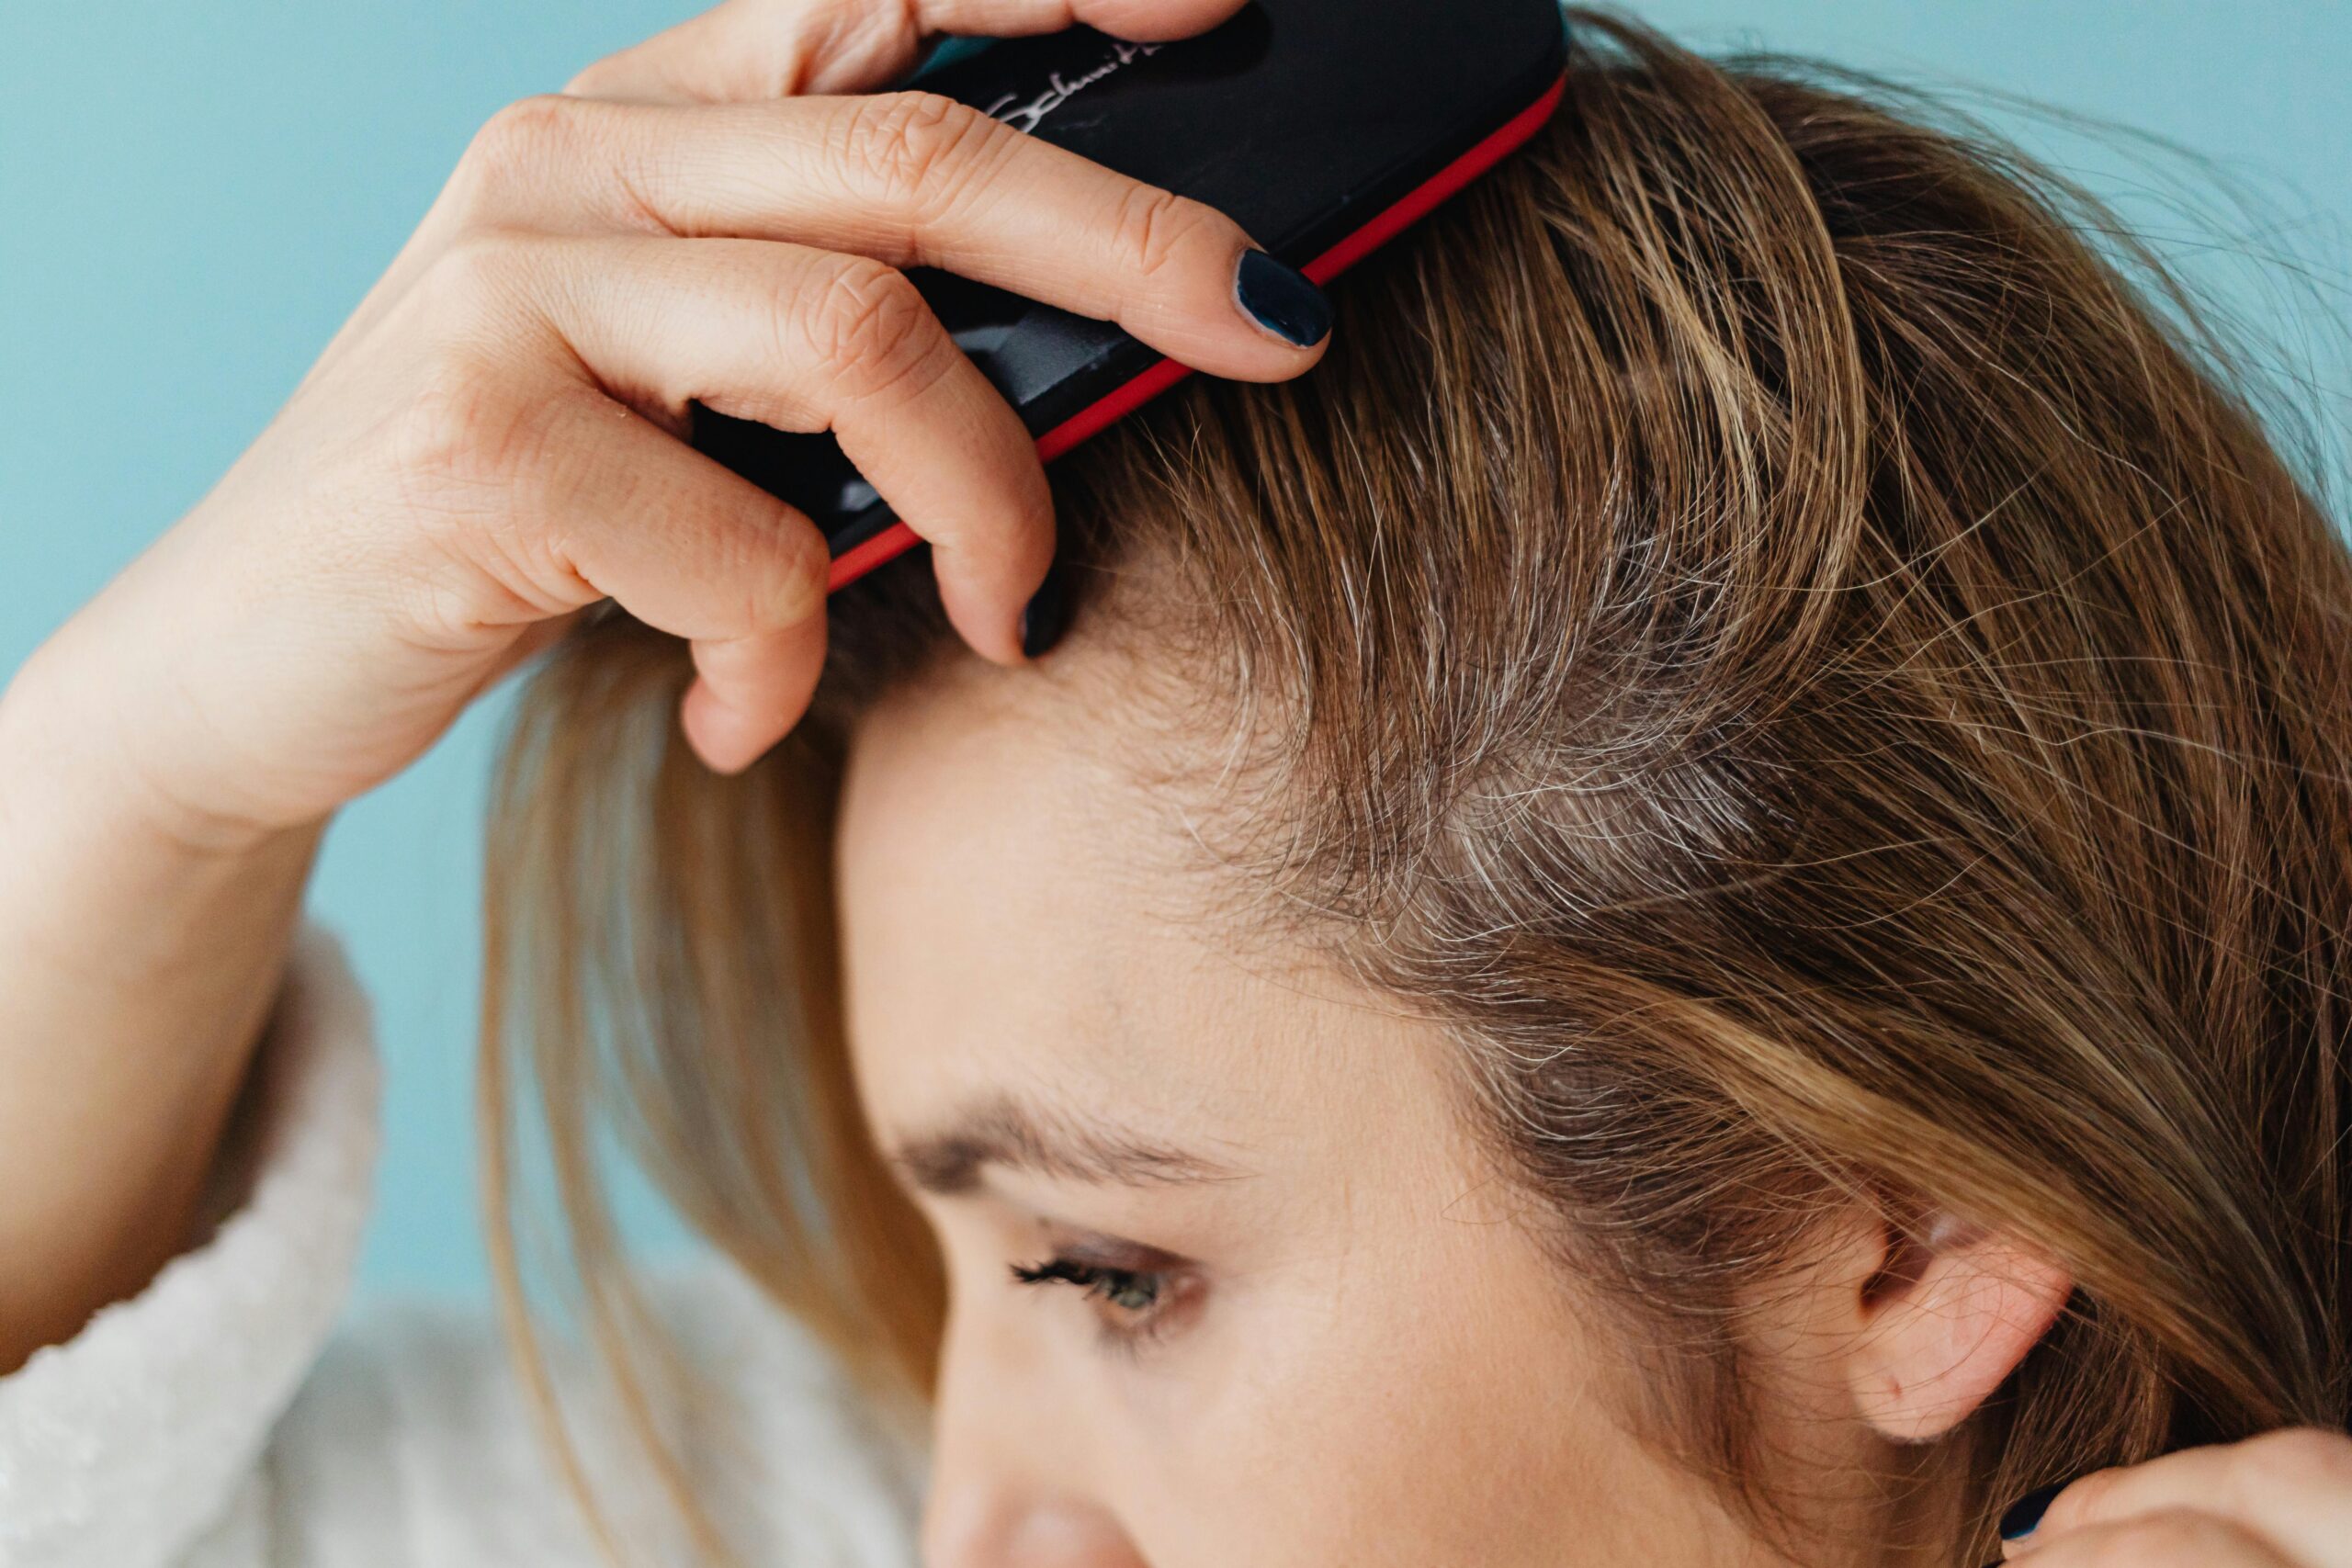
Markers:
point(1124, 1325)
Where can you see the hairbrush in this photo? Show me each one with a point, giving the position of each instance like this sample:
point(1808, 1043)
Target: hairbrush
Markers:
point(1324, 128)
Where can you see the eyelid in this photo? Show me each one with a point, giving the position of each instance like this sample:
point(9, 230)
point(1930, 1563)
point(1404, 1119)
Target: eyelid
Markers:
point(1100, 1251)
point(1179, 1285)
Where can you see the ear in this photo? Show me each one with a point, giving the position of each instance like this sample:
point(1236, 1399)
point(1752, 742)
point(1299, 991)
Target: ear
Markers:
point(1949, 1310)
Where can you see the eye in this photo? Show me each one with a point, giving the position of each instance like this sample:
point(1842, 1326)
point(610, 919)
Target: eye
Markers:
point(1134, 1303)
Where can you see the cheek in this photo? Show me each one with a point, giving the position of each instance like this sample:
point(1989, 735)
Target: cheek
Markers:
point(1434, 1402)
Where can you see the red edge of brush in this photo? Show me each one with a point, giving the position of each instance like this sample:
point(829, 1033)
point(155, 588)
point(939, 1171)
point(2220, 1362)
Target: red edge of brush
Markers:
point(1491, 150)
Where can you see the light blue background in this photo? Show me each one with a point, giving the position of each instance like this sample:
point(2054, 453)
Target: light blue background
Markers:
point(192, 197)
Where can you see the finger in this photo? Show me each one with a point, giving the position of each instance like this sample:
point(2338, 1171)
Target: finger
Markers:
point(607, 505)
point(691, 548)
point(778, 49)
point(907, 178)
point(743, 683)
point(2291, 1488)
point(803, 339)
point(2169, 1540)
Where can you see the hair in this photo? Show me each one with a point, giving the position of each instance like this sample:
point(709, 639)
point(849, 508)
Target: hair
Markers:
point(1772, 621)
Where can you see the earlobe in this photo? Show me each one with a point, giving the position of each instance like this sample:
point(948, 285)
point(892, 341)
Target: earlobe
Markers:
point(1952, 1313)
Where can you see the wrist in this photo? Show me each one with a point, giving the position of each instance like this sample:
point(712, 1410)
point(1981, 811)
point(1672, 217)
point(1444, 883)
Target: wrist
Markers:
point(68, 770)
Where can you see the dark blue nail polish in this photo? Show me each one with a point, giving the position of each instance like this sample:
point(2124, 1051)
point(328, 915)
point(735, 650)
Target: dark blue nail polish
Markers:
point(2025, 1515)
point(1045, 615)
point(1282, 298)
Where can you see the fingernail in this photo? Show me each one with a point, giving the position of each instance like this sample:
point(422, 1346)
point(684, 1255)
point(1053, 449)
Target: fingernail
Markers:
point(2025, 1515)
point(1282, 298)
point(1048, 611)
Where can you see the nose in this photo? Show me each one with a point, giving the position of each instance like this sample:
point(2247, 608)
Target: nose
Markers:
point(988, 1526)
point(1008, 1487)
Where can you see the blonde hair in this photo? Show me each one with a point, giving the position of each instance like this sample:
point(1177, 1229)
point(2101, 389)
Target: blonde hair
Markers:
point(1801, 659)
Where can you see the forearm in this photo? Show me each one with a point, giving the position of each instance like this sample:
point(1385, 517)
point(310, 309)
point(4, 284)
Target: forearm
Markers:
point(137, 969)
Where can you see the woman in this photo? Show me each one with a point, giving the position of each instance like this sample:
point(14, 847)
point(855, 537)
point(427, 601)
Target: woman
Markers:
point(1688, 910)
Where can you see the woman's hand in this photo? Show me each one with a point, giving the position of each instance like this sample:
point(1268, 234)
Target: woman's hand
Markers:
point(2282, 1500)
point(496, 439)
point(493, 442)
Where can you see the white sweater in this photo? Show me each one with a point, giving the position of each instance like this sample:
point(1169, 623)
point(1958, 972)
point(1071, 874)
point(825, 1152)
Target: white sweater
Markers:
point(222, 1419)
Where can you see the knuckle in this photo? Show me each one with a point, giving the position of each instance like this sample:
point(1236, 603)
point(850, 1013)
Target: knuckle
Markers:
point(905, 142)
point(473, 296)
point(512, 158)
point(596, 77)
point(481, 542)
point(477, 271)
point(1153, 226)
point(439, 428)
point(804, 564)
point(872, 325)
point(2163, 1540)
point(2293, 1461)
point(519, 136)
point(461, 433)
point(2083, 1499)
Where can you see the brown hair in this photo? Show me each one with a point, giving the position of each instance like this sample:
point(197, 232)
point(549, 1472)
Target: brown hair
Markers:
point(1806, 662)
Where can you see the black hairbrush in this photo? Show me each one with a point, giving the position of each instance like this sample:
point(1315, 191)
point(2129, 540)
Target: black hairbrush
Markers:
point(1322, 127)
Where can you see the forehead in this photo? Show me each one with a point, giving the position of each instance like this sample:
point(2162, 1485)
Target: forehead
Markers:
point(1019, 915)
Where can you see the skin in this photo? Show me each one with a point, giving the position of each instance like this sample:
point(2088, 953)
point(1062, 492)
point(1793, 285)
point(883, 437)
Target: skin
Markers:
point(1371, 1363)
point(490, 445)
point(1351, 1338)
point(1335, 1337)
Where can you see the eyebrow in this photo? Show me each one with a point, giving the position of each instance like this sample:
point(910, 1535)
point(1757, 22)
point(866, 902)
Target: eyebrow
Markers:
point(1017, 1136)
